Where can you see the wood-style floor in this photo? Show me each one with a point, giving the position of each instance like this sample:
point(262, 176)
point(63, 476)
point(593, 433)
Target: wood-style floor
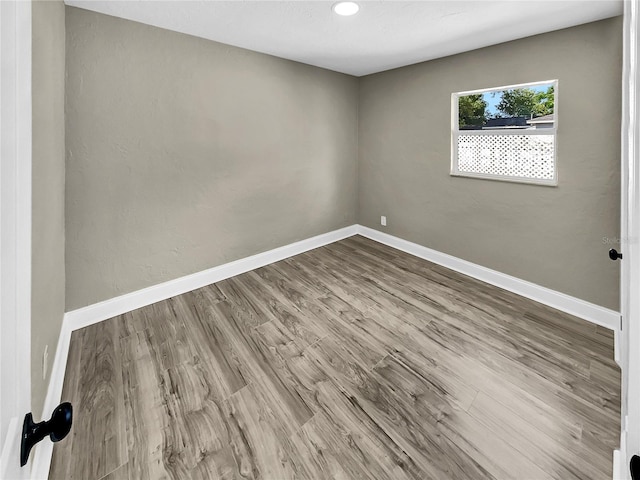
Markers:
point(351, 361)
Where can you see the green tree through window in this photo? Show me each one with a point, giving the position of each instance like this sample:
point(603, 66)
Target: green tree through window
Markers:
point(472, 111)
point(526, 102)
point(506, 133)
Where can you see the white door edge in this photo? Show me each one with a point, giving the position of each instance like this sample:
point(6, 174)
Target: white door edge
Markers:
point(630, 235)
point(11, 448)
point(15, 230)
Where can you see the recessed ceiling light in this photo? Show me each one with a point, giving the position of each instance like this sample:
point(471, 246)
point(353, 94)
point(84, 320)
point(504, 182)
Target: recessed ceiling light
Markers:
point(346, 8)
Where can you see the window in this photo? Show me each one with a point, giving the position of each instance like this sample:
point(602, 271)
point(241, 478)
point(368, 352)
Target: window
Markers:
point(506, 133)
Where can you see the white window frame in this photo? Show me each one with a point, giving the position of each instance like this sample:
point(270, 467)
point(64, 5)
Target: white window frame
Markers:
point(455, 132)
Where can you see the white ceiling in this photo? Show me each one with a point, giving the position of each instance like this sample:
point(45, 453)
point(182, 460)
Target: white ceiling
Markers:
point(383, 35)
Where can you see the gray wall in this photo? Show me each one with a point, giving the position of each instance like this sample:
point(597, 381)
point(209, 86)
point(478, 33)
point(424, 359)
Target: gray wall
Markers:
point(183, 154)
point(552, 236)
point(48, 282)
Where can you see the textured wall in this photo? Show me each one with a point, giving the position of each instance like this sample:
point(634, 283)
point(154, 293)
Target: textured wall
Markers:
point(48, 284)
point(183, 154)
point(552, 236)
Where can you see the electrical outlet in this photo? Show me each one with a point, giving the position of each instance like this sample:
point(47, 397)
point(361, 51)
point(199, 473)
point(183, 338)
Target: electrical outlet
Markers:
point(383, 221)
point(45, 362)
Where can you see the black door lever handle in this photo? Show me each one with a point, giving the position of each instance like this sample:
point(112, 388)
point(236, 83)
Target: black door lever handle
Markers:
point(614, 255)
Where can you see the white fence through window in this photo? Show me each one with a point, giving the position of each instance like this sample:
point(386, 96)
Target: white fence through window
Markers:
point(524, 156)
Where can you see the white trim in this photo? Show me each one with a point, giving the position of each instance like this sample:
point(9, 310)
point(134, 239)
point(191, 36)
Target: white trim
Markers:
point(83, 317)
point(125, 303)
point(456, 132)
point(11, 447)
point(617, 466)
point(507, 87)
point(594, 313)
point(15, 229)
point(98, 312)
point(493, 131)
point(505, 178)
point(629, 234)
point(43, 454)
point(620, 469)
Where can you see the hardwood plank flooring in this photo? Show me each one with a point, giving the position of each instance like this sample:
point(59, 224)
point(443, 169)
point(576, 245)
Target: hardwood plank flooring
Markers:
point(351, 361)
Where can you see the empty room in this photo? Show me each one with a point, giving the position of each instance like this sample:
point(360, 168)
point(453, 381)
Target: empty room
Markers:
point(320, 240)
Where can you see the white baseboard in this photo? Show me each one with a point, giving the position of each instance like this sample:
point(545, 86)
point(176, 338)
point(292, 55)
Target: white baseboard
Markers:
point(98, 312)
point(617, 466)
point(83, 317)
point(594, 313)
point(43, 452)
point(620, 464)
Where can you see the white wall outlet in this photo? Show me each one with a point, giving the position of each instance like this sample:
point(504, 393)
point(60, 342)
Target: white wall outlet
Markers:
point(45, 362)
point(383, 221)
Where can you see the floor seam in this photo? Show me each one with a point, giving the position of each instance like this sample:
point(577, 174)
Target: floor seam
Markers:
point(109, 473)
